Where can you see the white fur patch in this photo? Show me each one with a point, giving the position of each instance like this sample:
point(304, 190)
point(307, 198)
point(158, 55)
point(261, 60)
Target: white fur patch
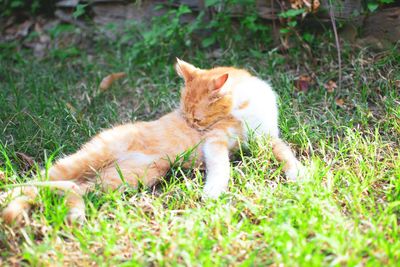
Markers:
point(297, 172)
point(138, 158)
point(218, 170)
point(233, 137)
point(261, 113)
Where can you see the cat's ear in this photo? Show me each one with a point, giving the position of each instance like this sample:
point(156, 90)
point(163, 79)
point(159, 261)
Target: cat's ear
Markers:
point(184, 69)
point(220, 81)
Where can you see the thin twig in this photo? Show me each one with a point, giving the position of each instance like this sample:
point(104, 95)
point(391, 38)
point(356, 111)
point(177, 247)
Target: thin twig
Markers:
point(339, 54)
point(273, 23)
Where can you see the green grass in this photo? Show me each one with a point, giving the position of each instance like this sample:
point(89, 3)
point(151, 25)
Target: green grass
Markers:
point(346, 213)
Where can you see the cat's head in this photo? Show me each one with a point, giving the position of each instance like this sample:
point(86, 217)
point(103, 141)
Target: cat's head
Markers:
point(205, 98)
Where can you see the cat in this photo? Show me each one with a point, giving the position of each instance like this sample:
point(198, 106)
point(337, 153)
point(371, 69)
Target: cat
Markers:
point(229, 103)
point(218, 107)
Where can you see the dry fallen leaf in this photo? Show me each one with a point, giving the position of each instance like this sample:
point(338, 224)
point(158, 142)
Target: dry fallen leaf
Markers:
point(397, 82)
point(303, 83)
point(2, 175)
point(310, 5)
point(24, 28)
point(27, 161)
point(296, 4)
point(330, 86)
point(71, 107)
point(339, 102)
point(108, 80)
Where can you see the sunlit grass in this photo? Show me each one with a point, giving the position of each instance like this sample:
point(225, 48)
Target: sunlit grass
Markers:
point(345, 213)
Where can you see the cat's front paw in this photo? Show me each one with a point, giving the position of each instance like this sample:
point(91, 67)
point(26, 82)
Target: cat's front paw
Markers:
point(297, 172)
point(213, 191)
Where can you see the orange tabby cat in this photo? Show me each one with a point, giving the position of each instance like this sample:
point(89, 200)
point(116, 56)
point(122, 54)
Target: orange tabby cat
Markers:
point(228, 103)
point(218, 107)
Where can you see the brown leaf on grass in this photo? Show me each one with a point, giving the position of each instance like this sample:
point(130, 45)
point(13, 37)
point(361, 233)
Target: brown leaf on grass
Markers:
point(43, 37)
point(309, 5)
point(397, 83)
point(40, 46)
point(330, 86)
point(2, 175)
point(71, 107)
point(296, 4)
point(312, 5)
point(27, 161)
point(339, 102)
point(21, 30)
point(303, 83)
point(108, 80)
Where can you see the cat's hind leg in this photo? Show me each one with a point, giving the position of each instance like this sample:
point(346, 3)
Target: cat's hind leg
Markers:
point(20, 204)
point(291, 166)
point(76, 204)
point(22, 198)
point(129, 172)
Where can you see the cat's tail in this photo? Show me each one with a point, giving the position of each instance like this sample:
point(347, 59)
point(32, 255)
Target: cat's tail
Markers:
point(22, 197)
point(292, 167)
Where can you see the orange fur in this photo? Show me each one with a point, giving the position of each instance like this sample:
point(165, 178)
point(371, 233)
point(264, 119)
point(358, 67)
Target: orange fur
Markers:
point(204, 100)
point(140, 151)
point(207, 102)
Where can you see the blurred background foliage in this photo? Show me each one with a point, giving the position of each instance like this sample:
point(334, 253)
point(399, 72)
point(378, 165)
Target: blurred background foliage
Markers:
point(63, 28)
